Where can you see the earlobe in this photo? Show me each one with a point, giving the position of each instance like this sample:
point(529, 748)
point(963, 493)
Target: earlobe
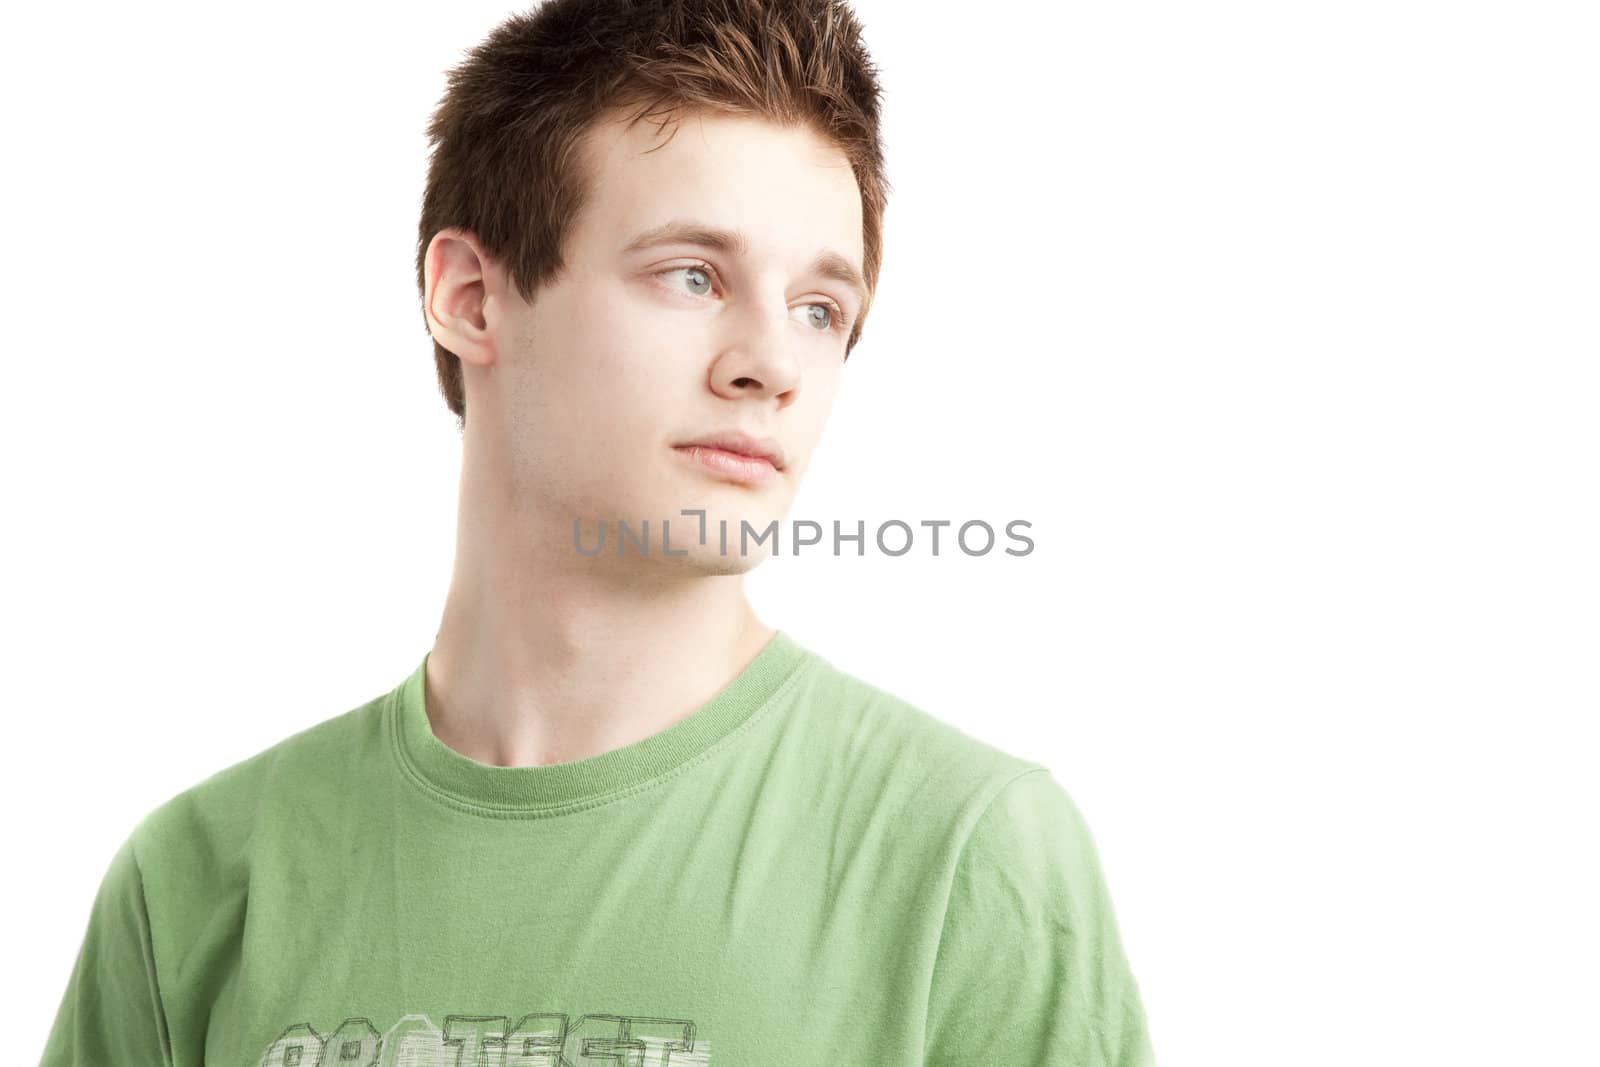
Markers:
point(457, 276)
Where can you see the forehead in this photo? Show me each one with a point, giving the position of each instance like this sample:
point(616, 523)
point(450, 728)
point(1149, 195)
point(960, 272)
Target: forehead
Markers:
point(791, 192)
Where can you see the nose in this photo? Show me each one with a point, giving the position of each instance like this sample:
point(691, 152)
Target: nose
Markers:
point(757, 358)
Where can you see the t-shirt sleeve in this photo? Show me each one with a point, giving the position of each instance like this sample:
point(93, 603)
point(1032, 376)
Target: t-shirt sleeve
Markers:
point(111, 1014)
point(1030, 968)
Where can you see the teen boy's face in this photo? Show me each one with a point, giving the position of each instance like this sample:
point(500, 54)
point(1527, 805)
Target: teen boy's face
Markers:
point(656, 335)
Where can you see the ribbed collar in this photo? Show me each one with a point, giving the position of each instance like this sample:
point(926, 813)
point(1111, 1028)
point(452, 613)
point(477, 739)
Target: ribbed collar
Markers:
point(559, 788)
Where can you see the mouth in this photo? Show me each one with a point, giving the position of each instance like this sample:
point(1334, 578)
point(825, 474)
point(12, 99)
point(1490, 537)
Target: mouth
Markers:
point(729, 465)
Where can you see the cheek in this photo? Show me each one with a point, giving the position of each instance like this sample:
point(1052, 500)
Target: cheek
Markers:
point(823, 380)
point(820, 389)
point(623, 331)
point(589, 350)
point(616, 378)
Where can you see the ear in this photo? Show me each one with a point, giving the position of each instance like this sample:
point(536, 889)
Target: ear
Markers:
point(459, 278)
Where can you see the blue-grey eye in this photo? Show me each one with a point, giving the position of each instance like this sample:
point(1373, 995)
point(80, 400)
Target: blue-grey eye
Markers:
point(694, 270)
point(832, 319)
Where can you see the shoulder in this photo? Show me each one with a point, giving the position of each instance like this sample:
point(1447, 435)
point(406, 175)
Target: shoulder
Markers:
point(947, 771)
point(209, 822)
point(1032, 827)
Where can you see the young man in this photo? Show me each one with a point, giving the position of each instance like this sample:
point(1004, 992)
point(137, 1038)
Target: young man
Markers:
point(612, 816)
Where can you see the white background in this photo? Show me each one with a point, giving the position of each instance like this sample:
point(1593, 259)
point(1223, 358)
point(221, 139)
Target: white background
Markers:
point(1278, 322)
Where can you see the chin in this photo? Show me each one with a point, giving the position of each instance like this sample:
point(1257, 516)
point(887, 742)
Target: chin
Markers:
point(714, 554)
point(712, 564)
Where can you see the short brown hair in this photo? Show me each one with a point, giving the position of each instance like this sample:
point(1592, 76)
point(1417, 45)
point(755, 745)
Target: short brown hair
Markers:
point(506, 136)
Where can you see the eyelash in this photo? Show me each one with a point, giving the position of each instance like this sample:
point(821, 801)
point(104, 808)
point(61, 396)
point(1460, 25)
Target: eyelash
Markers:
point(841, 322)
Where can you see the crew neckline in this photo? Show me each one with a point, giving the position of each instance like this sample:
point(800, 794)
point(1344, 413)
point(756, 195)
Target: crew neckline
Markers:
point(558, 788)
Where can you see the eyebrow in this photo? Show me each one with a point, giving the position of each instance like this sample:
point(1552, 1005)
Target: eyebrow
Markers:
point(829, 264)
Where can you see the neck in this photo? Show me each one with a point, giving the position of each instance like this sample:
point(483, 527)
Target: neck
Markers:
point(540, 661)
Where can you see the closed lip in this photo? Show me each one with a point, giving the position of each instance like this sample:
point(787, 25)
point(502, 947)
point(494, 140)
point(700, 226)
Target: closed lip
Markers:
point(742, 443)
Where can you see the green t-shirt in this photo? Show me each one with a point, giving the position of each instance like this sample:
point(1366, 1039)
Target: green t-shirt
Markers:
point(806, 870)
